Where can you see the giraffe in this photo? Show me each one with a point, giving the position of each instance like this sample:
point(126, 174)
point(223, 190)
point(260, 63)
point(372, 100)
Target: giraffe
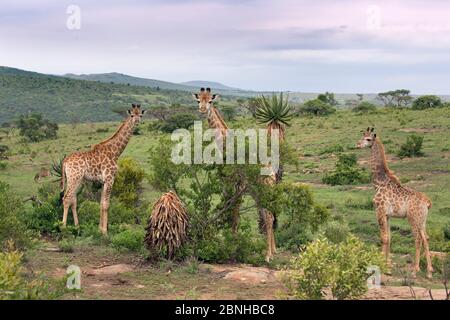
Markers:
point(205, 102)
point(396, 201)
point(98, 164)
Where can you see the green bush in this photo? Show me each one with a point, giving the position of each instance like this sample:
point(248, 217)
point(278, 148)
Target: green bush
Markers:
point(11, 226)
point(180, 120)
point(228, 247)
point(365, 106)
point(412, 147)
point(317, 107)
point(35, 128)
point(346, 172)
point(341, 268)
point(13, 286)
point(128, 183)
point(129, 239)
point(336, 232)
point(426, 102)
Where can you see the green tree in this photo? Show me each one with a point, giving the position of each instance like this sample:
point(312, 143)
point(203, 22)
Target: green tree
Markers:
point(426, 102)
point(365, 106)
point(395, 98)
point(317, 107)
point(328, 97)
point(128, 183)
point(35, 128)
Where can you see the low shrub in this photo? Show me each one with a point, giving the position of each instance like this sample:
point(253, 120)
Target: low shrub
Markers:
point(346, 172)
point(13, 286)
point(412, 147)
point(365, 106)
point(340, 268)
point(11, 226)
point(129, 239)
point(333, 149)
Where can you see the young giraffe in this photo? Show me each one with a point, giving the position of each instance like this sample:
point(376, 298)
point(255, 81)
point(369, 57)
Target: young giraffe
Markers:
point(97, 164)
point(394, 200)
point(215, 121)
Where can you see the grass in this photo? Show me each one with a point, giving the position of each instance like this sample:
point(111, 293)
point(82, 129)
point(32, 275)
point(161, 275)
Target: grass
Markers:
point(310, 136)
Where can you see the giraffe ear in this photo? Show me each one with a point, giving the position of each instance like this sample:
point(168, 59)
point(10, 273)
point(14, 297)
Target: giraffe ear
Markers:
point(133, 105)
point(215, 97)
point(208, 89)
point(195, 96)
point(129, 111)
point(143, 111)
point(202, 89)
point(368, 129)
point(371, 130)
point(374, 135)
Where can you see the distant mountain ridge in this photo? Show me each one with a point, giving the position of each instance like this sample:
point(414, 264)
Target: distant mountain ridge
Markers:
point(207, 84)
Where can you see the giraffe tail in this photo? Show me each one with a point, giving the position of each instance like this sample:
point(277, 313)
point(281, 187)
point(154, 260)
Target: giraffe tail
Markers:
point(63, 181)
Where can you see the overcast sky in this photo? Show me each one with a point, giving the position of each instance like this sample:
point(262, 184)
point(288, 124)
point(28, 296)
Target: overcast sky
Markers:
point(310, 46)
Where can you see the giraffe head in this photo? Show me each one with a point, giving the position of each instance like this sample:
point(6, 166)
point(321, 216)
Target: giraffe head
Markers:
point(136, 113)
point(367, 139)
point(205, 99)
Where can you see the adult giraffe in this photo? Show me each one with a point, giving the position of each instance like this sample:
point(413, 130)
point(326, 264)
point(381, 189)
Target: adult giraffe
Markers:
point(394, 200)
point(98, 164)
point(215, 121)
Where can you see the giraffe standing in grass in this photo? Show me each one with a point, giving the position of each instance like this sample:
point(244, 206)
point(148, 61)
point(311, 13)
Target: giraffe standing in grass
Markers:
point(98, 164)
point(215, 121)
point(394, 200)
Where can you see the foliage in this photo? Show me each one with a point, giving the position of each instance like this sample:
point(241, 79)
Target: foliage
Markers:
point(303, 215)
point(227, 246)
point(4, 152)
point(11, 227)
point(167, 226)
point(209, 192)
point(181, 120)
point(128, 182)
point(35, 128)
point(395, 98)
point(13, 286)
point(336, 231)
point(412, 147)
point(346, 172)
point(129, 239)
point(426, 102)
point(365, 106)
point(229, 113)
point(341, 268)
point(328, 98)
point(337, 148)
point(275, 112)
point(317, 107)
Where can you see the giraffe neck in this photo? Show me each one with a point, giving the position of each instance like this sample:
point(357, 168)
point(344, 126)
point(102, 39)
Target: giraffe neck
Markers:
point(215, 121)
point(380, 170)
point(118, 142)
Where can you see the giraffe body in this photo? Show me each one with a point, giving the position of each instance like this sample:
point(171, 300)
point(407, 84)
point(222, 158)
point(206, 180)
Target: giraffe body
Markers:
point(98, 164)
point(393, 200)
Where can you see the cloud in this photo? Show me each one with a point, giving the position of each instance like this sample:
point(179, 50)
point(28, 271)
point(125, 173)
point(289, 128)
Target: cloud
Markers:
point(275, 43)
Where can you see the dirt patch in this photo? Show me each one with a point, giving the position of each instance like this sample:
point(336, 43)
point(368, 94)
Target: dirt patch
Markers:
point(110, 270)
point(404, 293)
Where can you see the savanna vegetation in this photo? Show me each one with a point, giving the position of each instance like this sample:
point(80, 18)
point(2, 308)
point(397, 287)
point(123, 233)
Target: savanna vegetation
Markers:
point(325, 219)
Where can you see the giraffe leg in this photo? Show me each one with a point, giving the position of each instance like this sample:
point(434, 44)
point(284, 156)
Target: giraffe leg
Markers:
point(424, 237)
point(418, 243)
point(70, 197)
point(104, 206)
point(384, 233)
point(74, 211)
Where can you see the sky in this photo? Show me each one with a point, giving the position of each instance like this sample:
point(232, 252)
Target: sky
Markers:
point(342, 46)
